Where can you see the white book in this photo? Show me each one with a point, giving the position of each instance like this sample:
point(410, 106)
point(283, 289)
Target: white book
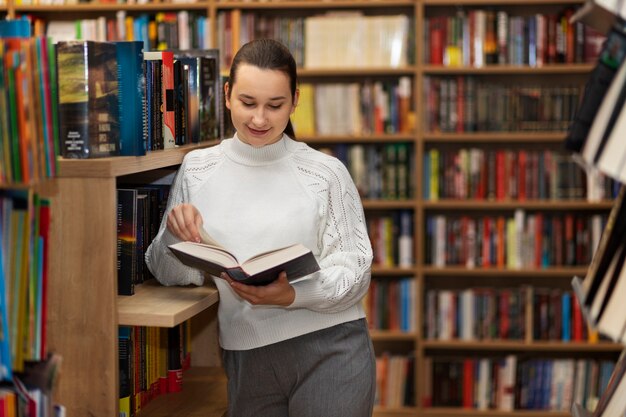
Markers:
point(598, 127)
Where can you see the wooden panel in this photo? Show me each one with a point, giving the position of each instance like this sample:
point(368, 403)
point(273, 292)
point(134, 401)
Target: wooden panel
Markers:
point(204, 339)
point(203, 395)
point(159, 306)
point(125, 165)
point(82, 314)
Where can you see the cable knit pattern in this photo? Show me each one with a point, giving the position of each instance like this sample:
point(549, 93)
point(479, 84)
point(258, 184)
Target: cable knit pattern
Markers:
point(256, 199)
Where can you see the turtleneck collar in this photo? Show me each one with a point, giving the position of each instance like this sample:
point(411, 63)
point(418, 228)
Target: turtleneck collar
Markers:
point(246, 154)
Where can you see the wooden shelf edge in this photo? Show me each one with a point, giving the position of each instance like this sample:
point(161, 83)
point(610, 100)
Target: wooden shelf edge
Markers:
point(508, 345)
point(294, 4)
point(380, 411)
point(535, 272)
point(582, 68)
point(110, 7)
point(546, 204)
point(156, 305)
point(462, 412)
point(124, 165)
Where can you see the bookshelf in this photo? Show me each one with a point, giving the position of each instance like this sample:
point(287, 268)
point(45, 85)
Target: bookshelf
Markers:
point(90, 186)
point(85, 309)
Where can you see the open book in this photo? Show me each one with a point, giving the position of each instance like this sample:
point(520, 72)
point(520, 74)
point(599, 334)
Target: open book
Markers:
point(209, 256)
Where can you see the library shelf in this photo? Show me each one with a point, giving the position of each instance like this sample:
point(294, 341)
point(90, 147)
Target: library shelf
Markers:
point(362, 139)
point(466, 412)
point(295, 5)
point(392, 271)
point(156, 305)
point(361, 72)
point(505, 138)
point(203, 394)
point(388, 204)
point(521, 346)
point(547, 205)
point(429, 3)
point(83, 314)
point(394, 412)
point(548, 272)
point(391, 335)
point(125, 165)
point(509, 69)
point(90, 8)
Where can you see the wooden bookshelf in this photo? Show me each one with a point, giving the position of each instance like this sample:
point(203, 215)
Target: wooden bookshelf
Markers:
point(84, 308)
point(158, 306)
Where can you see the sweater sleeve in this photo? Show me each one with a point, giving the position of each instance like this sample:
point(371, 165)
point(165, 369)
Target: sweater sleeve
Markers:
point(166, 268)
point(346, 251)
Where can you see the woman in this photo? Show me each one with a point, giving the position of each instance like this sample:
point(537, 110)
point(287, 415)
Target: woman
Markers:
point(290, 349)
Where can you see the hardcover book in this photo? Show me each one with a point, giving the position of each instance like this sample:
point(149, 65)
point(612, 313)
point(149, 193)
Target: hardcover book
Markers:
point(88, 99)
point(296, 260)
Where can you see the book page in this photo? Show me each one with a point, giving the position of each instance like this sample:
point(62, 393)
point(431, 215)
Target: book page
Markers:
point(207, 239)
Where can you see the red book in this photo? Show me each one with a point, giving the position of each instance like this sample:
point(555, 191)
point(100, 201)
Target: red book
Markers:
point(468, 383)
point(437, 32)
point(577, 321)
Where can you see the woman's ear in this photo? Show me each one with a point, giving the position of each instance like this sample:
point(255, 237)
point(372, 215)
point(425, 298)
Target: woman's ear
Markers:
point(296, 97)
point(227, 95)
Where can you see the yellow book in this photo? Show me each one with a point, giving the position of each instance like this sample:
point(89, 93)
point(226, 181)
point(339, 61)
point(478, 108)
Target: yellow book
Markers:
point(303, 118)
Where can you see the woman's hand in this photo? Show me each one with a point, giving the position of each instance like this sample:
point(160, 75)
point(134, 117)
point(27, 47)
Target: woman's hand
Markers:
point(185, 222)
point(278, 293)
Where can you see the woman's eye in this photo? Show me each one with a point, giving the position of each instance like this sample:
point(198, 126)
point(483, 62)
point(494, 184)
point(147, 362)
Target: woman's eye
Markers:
point(275, 106)
point(247, 104)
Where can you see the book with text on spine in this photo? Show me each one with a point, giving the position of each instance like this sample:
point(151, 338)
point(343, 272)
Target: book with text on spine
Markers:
point(296, 260)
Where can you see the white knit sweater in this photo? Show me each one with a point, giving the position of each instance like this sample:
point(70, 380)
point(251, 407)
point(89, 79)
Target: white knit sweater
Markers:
point(257, 199)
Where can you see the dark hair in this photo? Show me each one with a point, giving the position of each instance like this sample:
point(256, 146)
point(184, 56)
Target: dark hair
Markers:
point(267, 54)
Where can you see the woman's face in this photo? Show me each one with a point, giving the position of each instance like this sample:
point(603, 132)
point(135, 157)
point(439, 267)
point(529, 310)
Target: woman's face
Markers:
point(260, 104)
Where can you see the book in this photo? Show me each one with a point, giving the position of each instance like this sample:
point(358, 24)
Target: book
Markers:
point(610, 242)
point(131, 83)
point(613, 400)
point(296, 260)
point(88, 99)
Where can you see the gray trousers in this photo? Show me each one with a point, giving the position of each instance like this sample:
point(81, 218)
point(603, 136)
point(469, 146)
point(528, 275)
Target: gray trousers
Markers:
point(327, 373)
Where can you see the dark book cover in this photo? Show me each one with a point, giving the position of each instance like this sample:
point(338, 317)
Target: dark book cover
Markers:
point(131, 84)
point(88, 99)
point(126, 241)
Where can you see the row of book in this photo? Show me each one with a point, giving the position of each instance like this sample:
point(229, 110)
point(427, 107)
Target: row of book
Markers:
point(151, 363)
point(391, 236)
point(390, 304)
point(330, 40)
point(29, 121)
point(27, 371)
point(479, 37)
point(488, 313)
point(116, 99)
point(368, 107)
point(159, 31)
point(515, 382)
point(139, 214)
point(24, 240)
point(395, 380)
point(470, 104)
point(378, 171)
point(524, 240)
point(509, 174)
point(475, 314)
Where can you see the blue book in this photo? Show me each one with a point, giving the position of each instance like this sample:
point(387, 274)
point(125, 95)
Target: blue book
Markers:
point(131, 84)
point(566, 315)
point(6, 370)
point(19, 28)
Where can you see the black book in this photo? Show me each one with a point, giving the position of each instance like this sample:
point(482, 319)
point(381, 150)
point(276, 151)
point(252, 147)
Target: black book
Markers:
point(296, 260)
